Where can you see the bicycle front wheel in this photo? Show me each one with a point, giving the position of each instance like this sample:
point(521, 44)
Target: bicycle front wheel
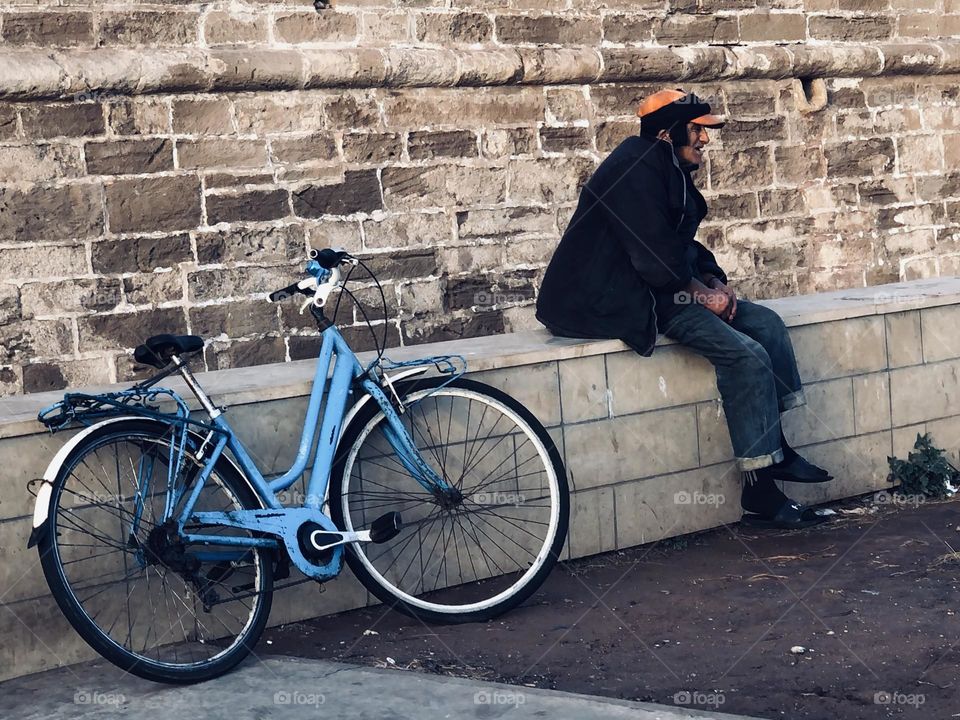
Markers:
point(151, 604)
point(481, 554)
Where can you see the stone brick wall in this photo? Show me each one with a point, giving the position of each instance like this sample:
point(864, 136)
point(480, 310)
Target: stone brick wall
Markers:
point(164, 166)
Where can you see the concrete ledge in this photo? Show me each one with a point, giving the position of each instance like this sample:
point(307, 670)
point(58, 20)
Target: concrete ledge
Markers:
point(38, 74)
point(283, 380)
point(644, 440)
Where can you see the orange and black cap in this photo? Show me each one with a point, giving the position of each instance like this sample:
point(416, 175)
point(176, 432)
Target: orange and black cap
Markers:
point(666, 108)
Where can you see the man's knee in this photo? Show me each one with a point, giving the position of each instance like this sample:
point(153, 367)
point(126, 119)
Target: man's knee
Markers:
point(748, 355)
point(764, 324)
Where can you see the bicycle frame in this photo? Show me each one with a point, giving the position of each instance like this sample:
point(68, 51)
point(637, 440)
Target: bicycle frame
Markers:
point(335, 386)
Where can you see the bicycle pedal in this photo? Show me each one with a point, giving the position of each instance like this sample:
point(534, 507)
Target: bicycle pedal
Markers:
point(386, 527)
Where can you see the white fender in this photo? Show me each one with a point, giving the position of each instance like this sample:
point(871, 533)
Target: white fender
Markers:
point(42, 508)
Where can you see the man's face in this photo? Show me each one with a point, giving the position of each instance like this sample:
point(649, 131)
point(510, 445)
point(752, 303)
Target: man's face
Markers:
point(692, 152)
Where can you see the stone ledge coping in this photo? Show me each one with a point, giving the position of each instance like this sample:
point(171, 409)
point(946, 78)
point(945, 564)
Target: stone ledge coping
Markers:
point(261, 383)
point(43, 74)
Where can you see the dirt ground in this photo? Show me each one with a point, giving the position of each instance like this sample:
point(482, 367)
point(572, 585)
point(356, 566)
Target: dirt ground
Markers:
point(709, 621)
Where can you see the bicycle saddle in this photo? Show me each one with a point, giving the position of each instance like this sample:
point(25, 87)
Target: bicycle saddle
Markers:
point(157, 350)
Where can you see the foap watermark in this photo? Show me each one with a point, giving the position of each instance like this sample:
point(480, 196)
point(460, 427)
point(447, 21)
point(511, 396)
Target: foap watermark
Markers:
point(96, 697)
point(298, 697)
point(86, 497)
point(499, 498)
point(698, 498)
point(499, 697)
point(700, 699)
point(899, 499)
point(897, 698)
point(489, 298)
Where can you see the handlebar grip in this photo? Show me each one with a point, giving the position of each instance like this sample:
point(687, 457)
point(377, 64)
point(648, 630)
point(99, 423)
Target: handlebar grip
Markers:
point(283, 294)
point(328, 258)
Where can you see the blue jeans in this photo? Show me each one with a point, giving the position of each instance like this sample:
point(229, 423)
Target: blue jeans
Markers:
point(756, 374)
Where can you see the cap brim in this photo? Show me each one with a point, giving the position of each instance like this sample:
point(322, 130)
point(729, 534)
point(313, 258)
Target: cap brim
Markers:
point(710, 121)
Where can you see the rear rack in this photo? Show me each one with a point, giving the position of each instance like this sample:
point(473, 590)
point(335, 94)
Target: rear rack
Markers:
point(84, 409)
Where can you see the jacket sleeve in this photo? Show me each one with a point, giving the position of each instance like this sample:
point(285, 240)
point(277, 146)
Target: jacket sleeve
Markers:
point(637, 206)
point(707, 263)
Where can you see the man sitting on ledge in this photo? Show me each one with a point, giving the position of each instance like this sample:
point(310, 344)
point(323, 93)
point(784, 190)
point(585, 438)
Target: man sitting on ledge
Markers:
point(628, 266)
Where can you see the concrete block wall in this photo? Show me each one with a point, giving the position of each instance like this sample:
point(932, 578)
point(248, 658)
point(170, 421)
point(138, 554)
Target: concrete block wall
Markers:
point(644, 439)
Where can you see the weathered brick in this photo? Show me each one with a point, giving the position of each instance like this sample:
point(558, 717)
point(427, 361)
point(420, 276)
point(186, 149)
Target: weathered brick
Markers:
point(464, 106)
point(218, 180)
point(128, 157)
point(33, 262)
point(359, 192)
point(352, 109)
point(279, 112)
point(455, 143)
point(372, 147)
point(733, 207)
point(488, 291)
point(408, 230)
point(385, 27)
point(687, 29)
point(127, 330)
point(628, 28)
point(509, 142)
point(260, 245)
point(851, 28)
point(48, 29)
point(612, 133)
point(38, 163)
point(219, 284)
point(869, 157)
point(782, 202)
point(142, 116)
point(29, 339)
point(404, 264)
point(50, 213)
point(152, 288)
point(8, 122)
point(565, 139)
point(153, 204)
point(46, 121)
point(9, 304)
point(749, 167)
point(82, 295)
point(221, 153)
point(225, 28)
point(261, 351)
point(234, 319)
point(314, 27)
point(547, 29)
point(309, 148)
point(445, 28)
point(202, 117)
point(798, 163)
point(780, 27)
point(359, 337)
point(548, 181)
point(442, 185)
point(41, 377)
point(429, 330)
point(140, 254)
point(920, 153)
point(252, 205)
point(505, 222)
point(748, 132)
point(148, 28)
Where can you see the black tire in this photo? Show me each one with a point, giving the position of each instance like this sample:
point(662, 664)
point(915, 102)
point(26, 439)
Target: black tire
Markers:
point(236, 490)
point(340, 484)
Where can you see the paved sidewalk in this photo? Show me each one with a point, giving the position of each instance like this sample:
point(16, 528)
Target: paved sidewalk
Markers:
point(297, 688)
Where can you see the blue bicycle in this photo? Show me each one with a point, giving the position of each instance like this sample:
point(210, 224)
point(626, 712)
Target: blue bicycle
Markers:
point(162, 541)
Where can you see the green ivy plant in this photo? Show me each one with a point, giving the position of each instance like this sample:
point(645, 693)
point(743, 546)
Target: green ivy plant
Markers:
point(925, 471)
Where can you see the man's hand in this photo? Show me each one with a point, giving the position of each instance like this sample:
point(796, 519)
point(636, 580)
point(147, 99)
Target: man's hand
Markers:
point(717, 284)
point(716, 301)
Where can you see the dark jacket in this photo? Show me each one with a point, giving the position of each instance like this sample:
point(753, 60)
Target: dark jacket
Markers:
point(622, 246)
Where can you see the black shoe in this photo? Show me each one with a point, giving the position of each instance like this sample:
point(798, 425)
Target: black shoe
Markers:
point(791, 516)
point(796, 470)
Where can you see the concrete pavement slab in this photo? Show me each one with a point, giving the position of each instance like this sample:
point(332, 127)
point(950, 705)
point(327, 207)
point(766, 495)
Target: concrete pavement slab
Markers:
point(298, 689)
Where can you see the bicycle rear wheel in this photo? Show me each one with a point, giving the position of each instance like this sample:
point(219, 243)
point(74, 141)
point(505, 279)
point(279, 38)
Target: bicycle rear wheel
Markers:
point(148, 603)
point(483, 553)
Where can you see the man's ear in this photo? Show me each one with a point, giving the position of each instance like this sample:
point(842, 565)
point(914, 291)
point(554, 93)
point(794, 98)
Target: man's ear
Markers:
point(664, 135)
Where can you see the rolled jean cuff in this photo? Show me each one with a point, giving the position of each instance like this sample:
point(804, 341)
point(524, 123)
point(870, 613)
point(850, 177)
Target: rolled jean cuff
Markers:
point(760, 461)
point(793, 400)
